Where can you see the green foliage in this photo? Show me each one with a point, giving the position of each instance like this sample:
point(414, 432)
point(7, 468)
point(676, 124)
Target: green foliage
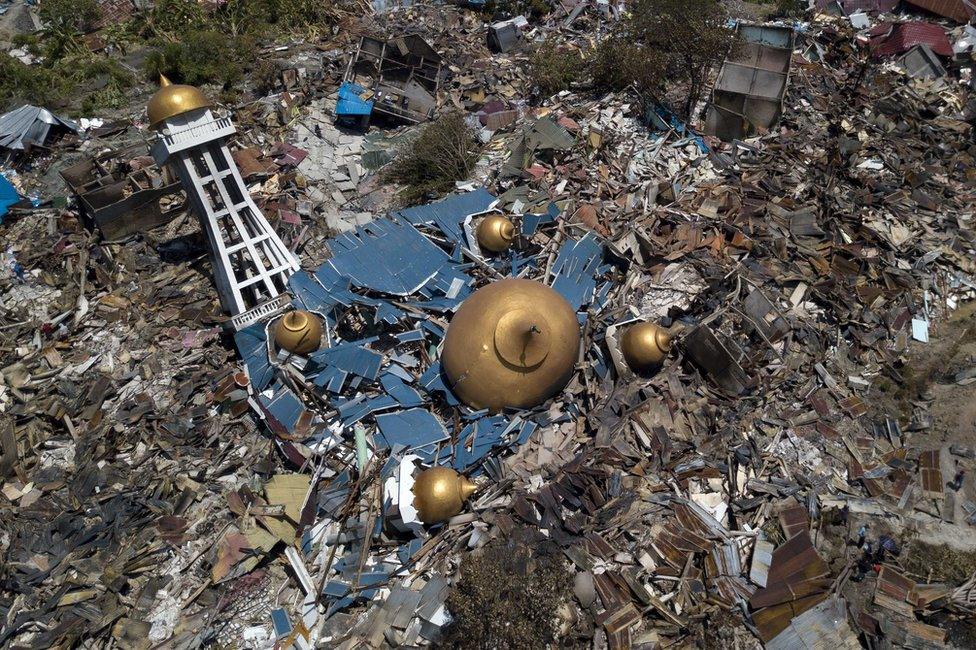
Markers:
point(508, 596)
point(69, 16)
point(688, 38)
point(790, 8)
point(107, 98)
point(52, 86)
point(554, 69)
point(200, 57)
point(296, 14)
point(191, 41)
point(445, 152)
point(533, 10)
point(266, 75)
point(170, 19)
point(618, 64)
point(34, 84)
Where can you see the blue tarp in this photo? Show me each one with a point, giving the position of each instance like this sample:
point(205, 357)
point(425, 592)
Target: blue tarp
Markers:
point(8, 196)
point(351, 103)
point(663, 118)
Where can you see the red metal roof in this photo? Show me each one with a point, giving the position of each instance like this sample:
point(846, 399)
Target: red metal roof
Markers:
point(958, 10)
point(904, 36)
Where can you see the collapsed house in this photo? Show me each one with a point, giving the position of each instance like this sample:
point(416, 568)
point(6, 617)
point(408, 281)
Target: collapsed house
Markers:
point(123, 194)
point(398, 79)
point(27, 127)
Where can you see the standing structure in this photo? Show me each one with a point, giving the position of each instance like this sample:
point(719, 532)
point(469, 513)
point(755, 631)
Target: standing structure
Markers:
point(251, 265)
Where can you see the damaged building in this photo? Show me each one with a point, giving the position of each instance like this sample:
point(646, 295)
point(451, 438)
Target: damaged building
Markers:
point(397, 79)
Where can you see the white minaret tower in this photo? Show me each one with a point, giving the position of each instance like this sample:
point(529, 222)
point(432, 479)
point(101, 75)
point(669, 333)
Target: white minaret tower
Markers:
point(251, 265)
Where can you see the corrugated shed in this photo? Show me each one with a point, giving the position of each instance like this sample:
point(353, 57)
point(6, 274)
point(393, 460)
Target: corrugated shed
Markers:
point(959, 10)
point(890, 39)
point(30, 125)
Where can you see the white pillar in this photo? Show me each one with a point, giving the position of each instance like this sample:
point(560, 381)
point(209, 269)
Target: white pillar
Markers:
point(251, 265)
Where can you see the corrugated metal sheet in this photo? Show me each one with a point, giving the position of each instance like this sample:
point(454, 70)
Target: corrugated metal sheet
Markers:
point(449, 213)
point(797, 580)
point(898, 38)
point(351, 102)
point(29, 125)
point(958, 10)
point(818, 628)
point(921, 62)
point(854, 6)
point(748, 93)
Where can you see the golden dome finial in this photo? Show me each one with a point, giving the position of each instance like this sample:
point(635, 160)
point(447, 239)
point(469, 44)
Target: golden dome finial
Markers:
point(645, 346)
point(512, 343)
point(495, 233)
point(172, 100)
point(299, 332)
point(440, 493)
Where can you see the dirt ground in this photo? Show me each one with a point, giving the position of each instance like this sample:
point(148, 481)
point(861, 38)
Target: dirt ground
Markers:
point(930, 387)
point(928, 390)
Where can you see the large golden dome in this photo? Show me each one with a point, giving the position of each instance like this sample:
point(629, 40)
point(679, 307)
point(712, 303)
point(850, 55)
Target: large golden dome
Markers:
point(512, 343)
point(174, 99)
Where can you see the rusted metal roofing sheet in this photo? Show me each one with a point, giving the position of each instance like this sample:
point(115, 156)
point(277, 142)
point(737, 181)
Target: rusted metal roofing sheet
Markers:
point(959, 10)
point(821, 627)
point(798, 579)
point(890, 39)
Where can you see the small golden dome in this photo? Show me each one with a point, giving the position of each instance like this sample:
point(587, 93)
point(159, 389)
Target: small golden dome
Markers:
point(645, 346)
point(512, 343)
point(496, 233)
point(299, 332)
point(174, 99)
point(439, 493)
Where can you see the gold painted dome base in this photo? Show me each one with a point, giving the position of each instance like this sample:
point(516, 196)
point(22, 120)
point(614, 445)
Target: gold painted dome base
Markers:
point(299, 332)
point(439, 493)
point(645, 346)
point(511, 344)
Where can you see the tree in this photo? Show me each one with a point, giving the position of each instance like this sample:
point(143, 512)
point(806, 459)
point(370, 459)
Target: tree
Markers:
point(554, 69)
point(688, 36)
point(619, 64)
point(444, 152)
point(69, 16)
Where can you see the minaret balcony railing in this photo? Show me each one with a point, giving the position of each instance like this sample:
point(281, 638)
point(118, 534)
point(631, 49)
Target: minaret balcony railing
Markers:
point(191, 136)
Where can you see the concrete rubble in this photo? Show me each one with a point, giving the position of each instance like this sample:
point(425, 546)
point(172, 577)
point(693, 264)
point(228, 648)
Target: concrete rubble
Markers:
point(797, 472)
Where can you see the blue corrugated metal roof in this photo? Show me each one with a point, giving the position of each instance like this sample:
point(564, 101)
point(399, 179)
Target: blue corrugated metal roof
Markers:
point(350, 101)
point(252, 345)
point(448, 213)
point(387, 256)
point(575, 270)
point(411, 428)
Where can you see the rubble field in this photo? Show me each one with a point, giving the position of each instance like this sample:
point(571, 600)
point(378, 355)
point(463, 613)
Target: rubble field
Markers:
point(488, 325)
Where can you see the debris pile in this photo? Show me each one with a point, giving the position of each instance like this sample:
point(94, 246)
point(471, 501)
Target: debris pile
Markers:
point(713, 385)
